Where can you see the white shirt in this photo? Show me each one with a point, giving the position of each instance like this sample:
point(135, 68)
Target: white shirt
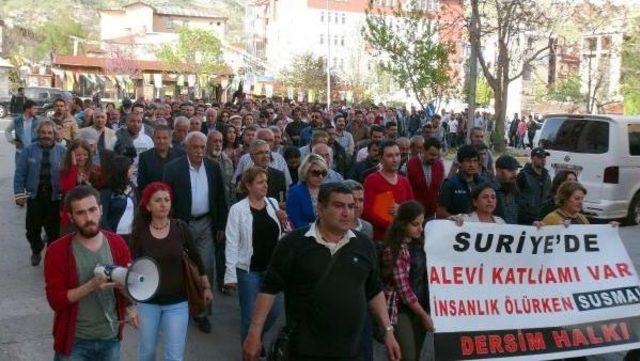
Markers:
point(124, 225)
point(199, 190)
point(362, 154)
point(453, 126)
point(333, 247)
point(346, 141)
point(142, 143)
point(277, 162)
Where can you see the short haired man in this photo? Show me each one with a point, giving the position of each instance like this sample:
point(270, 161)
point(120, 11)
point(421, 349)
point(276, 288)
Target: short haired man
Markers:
point(360, 224)
point(386, 181)
point(338, 293)
point(130, 141)
point(426, 175)
point(507, 189)
point(152, 161)
point(63, 118)
point(534, 184)
point(215, 153)
point(477, 137)
point(105, 134)
point(343, 136)
point(89, 312)
point(181, 127)
point(276, 160)
point(294, 128)
point(36, 183)
point(317, 123)
point(326, 152)
point(22, 130)
point(455, 193)
point(199, 200)
point(211, 121)
point(18, 100)
point(376, 135)
point(260, 153)
point(357, 127)
point(369, 165)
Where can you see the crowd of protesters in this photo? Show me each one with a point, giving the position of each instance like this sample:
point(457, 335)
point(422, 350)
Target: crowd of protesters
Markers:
point(266, 197)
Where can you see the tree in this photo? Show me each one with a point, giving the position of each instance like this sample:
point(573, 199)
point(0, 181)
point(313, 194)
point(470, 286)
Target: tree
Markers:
point(516, 28)
point(56, 38)
point(631, 69)
point(403, 39)
point(307, 72)
point(484, 93)
point(197, 52)
point(566, 90)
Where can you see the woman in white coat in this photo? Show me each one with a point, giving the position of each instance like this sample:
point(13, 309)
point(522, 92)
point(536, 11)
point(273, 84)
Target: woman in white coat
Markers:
point(254, 226)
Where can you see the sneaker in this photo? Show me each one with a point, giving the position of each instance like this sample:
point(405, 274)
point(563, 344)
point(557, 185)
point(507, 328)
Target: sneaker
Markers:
point(35, 259)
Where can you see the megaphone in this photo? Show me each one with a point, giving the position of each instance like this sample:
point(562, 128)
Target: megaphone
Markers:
point(140, 280)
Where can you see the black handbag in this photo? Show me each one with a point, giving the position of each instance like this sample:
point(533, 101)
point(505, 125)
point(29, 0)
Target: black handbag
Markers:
point(280, 349)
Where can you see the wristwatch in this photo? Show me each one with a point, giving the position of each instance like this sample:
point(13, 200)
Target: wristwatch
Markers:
point(388, 328)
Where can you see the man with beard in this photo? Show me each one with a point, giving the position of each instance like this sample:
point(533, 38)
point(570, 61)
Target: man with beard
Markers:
point(106, 135)
point(534, 184)
point(36, 184)
point(215, 153)
point(385, 181)
point(152, 161)
point(89, 312)
point(317, 123)
point(260, 151)
point(506, 189)
point(294, 128)
point(426, 175)
point(63, 118)
point(130, 141)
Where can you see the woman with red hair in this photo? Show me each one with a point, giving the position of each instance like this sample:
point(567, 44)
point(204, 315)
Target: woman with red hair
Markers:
point(164, 239)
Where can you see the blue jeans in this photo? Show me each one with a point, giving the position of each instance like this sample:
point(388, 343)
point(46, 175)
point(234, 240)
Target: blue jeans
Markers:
point(92, 350)
point(248, 288)
point(172, 320)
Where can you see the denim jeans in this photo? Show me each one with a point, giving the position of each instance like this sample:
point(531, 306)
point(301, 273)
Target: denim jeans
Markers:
point(92, 350)
point(172, 321)
point(248, 288)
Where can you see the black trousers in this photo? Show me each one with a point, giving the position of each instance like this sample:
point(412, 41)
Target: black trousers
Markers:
point(42, 212)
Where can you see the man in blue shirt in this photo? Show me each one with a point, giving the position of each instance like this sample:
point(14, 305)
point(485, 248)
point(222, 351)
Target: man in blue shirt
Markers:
point(22, 130)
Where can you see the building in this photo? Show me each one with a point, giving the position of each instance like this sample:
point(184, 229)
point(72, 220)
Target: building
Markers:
point(278, 31)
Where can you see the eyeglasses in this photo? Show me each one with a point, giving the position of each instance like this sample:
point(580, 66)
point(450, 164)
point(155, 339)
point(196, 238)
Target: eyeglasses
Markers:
point(318, 173)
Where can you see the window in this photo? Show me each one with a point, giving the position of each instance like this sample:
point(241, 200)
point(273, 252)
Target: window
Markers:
point(336, 18)
point(335, 40)
point(591, 44)
point(341, 63)
point(342, 40)
point(321, 38)
point(576, 135)
point(322, 17)
point(605, 43)
point(634, 139)
point(344, 18)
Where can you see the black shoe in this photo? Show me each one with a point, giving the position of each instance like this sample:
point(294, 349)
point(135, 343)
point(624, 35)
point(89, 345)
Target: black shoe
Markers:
point(203, 324)
point(35, 259)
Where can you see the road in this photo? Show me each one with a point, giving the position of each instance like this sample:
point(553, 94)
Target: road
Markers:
point(26, 319)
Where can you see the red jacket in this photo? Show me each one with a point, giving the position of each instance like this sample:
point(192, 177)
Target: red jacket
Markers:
point(375, 184)
point(60, 275)
point(426, 195)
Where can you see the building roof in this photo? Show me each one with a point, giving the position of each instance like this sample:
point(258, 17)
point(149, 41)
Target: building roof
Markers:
point(83, 61)
point(194, 11)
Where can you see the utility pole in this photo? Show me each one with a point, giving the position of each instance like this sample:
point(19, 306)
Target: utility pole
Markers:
point(328, 57)
point(472, 78)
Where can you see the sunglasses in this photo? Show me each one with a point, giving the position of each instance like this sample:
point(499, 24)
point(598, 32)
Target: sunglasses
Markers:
point(318, 173)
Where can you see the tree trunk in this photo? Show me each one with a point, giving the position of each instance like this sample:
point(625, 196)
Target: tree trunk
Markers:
point(501, 96)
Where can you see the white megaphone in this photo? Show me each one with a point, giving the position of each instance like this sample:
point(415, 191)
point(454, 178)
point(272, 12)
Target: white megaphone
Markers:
point(140, 280)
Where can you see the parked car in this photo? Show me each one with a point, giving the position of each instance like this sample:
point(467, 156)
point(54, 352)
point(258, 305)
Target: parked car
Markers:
point(604, 151)
point(43, 97)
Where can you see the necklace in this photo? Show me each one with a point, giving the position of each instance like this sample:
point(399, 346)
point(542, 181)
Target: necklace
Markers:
point(159, 228)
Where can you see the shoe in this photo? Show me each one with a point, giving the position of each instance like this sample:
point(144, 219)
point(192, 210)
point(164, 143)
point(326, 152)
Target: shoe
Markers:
point(35, 259)
point(203, 324)
point(226, 290)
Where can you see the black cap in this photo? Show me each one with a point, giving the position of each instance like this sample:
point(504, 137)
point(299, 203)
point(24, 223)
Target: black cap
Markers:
point(539, 152)
point(507, 162)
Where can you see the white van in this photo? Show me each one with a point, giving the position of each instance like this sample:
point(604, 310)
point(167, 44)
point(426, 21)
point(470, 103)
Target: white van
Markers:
point(604, 150)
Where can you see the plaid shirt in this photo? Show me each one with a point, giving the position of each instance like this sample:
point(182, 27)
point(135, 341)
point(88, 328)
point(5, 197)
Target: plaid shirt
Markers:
point(397, 289)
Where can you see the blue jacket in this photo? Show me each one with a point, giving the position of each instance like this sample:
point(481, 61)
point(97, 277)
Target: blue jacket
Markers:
point(299, 206)
point(19, 130)
point(27, 175)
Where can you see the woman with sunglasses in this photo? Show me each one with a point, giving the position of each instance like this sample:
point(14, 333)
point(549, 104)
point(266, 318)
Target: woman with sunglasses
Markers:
point(303, 197)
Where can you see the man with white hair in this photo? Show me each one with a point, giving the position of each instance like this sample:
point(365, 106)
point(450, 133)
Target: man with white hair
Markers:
point(326, 152)
point(199, 200)
point(215, 153)
point(276, 159)
point(210, 121)
point(105, 134)
point(180, 129)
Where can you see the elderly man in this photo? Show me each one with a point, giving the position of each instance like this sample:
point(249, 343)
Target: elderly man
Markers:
point(260, 157)
point(181, 127)
point(199, 200)
point(277, 160)
point(211, 121)
point(105, 134)
point(215, 153)
point(277, 139)
point(36, 184)
point(326, 152)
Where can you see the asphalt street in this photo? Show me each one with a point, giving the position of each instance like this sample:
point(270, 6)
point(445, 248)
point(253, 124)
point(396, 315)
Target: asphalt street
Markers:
point(26, 319)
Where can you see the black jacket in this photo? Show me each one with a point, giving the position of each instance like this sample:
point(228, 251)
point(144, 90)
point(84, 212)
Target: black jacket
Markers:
point(176, 175)
point(277, 185)
point(151, 167)
point(534, 190)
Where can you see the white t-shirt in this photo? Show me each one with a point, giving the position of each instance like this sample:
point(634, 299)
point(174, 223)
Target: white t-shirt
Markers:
point(453, 126)
point(124, 225)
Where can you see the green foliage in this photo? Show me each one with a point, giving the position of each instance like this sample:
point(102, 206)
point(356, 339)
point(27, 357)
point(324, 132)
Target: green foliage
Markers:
point(197, 52)
point(484, 92)
point(307, 72)
point(631, 70)
point(407, 51)
point(566, 90)
point(55, 38)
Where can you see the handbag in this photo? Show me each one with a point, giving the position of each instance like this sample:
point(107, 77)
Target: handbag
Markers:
point(193, 285)
point(281, 348)
point(285, 225)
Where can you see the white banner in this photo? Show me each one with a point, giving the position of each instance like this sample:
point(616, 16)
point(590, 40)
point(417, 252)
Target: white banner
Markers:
point(514, 292)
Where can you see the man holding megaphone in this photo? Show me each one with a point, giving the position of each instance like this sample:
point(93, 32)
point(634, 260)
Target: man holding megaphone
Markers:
point(90, 311)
